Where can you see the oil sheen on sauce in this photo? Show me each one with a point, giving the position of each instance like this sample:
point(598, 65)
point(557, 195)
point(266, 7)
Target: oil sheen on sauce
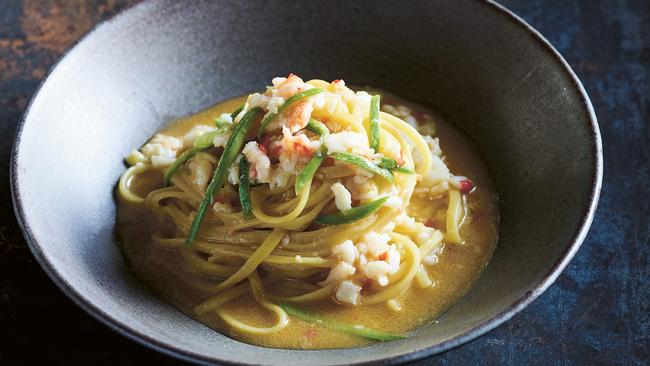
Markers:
point(457, 269)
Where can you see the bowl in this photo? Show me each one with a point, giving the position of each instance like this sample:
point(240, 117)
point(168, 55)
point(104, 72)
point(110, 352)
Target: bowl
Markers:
point(476, 63)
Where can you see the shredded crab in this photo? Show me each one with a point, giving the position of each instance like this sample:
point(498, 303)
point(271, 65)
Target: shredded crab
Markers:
point(297, 116)
point(293, 150)
point(289, 86)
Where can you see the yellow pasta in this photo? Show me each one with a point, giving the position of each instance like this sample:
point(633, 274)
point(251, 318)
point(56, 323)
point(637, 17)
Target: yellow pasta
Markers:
point(344, 239)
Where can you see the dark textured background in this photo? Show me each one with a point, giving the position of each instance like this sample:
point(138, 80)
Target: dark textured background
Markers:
point(597, 311)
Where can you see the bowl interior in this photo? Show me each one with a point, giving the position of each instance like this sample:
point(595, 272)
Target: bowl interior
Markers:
point(469, 60)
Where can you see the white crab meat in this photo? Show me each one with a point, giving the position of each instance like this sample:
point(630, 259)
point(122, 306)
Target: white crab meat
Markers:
point(348, 292)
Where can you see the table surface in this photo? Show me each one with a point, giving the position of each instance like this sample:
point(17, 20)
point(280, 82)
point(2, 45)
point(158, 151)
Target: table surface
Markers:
point(596, 312)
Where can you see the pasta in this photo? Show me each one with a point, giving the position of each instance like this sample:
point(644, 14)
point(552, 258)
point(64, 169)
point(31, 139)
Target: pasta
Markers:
point(306, 186)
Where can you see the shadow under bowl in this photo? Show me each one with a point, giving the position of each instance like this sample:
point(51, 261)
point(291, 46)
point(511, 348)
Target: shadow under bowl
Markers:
point(483, 68)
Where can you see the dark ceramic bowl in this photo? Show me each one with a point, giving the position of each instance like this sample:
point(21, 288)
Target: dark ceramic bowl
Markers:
point(475, 62)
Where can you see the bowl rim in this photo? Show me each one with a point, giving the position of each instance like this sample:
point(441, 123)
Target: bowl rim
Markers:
point(414, 354)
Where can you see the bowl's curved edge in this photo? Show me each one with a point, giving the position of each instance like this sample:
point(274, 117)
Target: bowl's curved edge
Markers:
point(477, 331)
point(95, 312)
point(579, 236)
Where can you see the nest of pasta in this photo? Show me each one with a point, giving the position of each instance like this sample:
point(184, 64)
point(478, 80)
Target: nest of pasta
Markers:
point(300, 195)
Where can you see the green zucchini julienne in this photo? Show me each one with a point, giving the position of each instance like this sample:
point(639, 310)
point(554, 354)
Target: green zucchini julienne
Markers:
point(357, 330)
point(318, 128)
point(202, 142)
point(307, 174)
point(180, 160)
point(205, 140)
point(353, 214)
point(236, 112)
point(222, 123)
point(245, 188)
point(374, 122)
point(390, 164)
point(271, 116)
point(364, 163)
point(228, 156)
point(401, 169)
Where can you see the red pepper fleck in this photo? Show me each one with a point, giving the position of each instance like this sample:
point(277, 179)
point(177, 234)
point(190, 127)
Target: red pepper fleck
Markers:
point(386, 100)
point(221, 199)
point(419, 116)
point(466, 186)
point(329, 161)
point(430, 223)
point(366, 283)
point(310, 333)
point(263, 149)
point(266, 142)
point(477, 218)
point(275, 151)
point(383, 256)
point(269, 148)
point(302, 149)
point(400, 161)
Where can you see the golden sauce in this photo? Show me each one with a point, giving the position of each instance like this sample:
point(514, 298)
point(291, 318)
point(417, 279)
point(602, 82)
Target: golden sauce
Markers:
point(458, 267)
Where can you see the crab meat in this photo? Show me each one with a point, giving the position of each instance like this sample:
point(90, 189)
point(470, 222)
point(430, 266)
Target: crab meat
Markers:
point(346, 252)
point(374, 244)
point(294, 150)
point(195, 132)
point(297, 117)
point(348, 292)
point(260, 163)
point(222, 207)
point(340, 272)
point(289, 86)
point(200, 172)
point(346, 141)
point(162, 146)
point(342, 197)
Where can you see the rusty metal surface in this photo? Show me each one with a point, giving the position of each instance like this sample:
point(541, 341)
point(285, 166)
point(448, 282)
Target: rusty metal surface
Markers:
point(596, 313)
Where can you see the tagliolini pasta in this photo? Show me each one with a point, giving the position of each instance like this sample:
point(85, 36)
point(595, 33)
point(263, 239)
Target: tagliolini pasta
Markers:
point(307, 216)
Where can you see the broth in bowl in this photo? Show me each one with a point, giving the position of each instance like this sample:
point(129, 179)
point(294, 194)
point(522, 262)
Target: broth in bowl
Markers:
point(309, 216)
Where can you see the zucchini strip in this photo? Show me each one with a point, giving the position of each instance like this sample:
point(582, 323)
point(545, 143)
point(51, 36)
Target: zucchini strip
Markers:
point(390, 164)
point(364, 163)
point(307, 174)
point(233, 147)
point(291, 100)
point(236, 112)
point(318, 128)
point(353, 214)
point(374, 123)
point(204, 140)
point(245, 188)
point(180, 160)
point(357, 330)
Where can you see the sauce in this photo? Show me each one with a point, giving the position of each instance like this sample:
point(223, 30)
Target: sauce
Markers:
point(459, 266)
